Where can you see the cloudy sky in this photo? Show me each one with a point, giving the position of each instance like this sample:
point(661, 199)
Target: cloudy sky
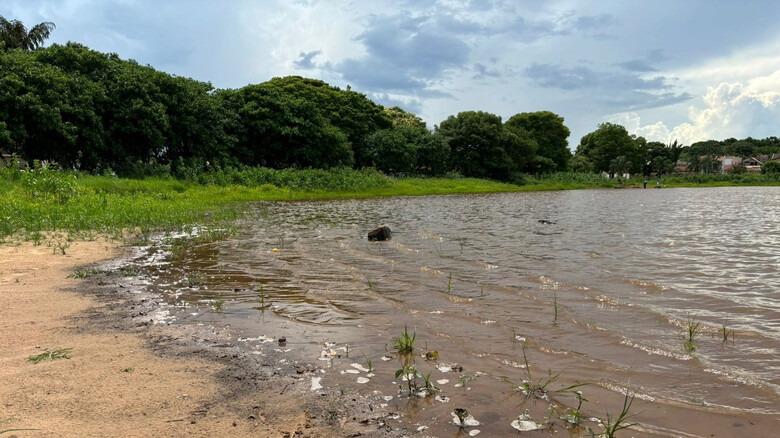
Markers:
point(665, 69)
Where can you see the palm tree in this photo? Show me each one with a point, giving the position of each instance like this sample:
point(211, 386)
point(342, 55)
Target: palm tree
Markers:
point(13, 34)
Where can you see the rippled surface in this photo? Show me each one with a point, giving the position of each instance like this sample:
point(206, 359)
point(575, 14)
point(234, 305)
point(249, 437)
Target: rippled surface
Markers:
point(478, 276)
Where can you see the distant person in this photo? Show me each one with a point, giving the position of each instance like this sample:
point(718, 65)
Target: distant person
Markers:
point(658, 184)
point(645, 184)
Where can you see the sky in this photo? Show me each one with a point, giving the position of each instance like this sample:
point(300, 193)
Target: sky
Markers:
point(667, 70)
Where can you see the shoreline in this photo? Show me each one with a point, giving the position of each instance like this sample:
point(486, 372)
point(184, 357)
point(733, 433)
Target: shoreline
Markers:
point(134, 375)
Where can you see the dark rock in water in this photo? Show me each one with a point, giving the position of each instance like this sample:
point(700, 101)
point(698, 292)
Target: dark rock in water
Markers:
point(380, 233)
point(546, 222)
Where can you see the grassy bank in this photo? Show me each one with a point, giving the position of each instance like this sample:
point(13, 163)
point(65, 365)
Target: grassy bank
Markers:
point(47, 205)
point(51, 205)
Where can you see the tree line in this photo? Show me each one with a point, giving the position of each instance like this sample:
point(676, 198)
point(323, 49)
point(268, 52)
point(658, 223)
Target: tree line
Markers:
point(95, 112)
point(611, 149)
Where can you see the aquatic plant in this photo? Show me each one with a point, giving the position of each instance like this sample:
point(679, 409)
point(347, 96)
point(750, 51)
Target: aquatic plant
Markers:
point(692, 329)
point(449, 284)
point(369, 363)
point(613, 424)
point(726, 332)
point(410, 374)
point(575, 414)
point(54, 354)
point(555, 308)
point(538, 388)
point(217, 305)
point(404, 343)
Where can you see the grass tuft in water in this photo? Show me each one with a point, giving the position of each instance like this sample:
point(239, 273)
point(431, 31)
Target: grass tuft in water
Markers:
point(54, 354)
point(613, 424)
point(726, 332)
point(538, 388)
point(692, 329)
point(404, 343)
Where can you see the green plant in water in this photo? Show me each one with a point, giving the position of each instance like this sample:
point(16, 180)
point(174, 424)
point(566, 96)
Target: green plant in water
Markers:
point(404, 343)
point(464, 379)
point(613, 424)
point(369, 363)
point(54, 354)
point(538, 388)
point(726, 332)
point(449, 284)
point(555, 308)
point(217, 305)
point(575, 417)
point(692, 329)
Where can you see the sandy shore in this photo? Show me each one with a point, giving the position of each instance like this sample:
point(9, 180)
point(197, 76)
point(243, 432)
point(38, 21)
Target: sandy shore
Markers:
point(130, 377)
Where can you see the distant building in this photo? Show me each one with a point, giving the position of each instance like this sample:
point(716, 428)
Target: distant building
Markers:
point(727, 163)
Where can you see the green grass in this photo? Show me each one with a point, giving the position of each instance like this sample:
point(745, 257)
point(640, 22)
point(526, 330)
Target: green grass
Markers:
point(692, 328)
point(54, 354)
point(53, 206)
point(404, 343)
point(613, 424)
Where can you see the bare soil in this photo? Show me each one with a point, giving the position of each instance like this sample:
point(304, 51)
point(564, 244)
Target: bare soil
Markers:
point(130, 375)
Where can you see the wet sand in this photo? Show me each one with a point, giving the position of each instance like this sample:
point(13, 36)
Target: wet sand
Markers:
point(130, 375)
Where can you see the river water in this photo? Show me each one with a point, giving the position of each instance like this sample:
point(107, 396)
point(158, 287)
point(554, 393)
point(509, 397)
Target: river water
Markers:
point(603, 296)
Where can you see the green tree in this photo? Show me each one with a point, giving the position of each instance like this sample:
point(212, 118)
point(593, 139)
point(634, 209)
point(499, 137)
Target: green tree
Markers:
point(393, 150)
point(48, 114)
point(399, 117)
point(14, 35)
point(607, 143)
point(433, 154)
point(481, 146)
point(277, 130)
point(551, 136)
point(352, 113)
point(620, 165)
point(580, 164)
point(771, 168)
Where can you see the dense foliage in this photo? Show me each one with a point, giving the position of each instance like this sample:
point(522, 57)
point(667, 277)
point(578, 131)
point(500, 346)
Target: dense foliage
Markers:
point(611, 149)
point(95, 112)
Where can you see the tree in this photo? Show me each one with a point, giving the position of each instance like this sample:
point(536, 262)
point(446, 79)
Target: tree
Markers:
point(606, 143)
point(13, 34)
point(351, 112)
point(620, 166)
point(550, 134)
point(771, 168)
point(580, 164)
point(277, 130)
point(393, 150)
point(483, 147)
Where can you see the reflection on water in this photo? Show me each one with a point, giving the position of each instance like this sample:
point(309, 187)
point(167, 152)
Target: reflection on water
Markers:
point(603, 295)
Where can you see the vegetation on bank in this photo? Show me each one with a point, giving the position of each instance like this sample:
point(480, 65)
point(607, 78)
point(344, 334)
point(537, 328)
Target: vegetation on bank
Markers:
point(43, 201)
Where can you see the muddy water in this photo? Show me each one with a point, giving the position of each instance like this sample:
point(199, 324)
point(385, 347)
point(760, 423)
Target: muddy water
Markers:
point(478, 278)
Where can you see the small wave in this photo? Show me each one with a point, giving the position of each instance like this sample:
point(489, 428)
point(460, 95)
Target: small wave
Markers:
point(656, 351)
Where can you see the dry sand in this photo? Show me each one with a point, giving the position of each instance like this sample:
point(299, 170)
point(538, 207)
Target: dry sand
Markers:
point(132, 379)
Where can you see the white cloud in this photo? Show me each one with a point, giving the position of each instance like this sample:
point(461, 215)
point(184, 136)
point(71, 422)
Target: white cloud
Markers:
point(730, 110)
